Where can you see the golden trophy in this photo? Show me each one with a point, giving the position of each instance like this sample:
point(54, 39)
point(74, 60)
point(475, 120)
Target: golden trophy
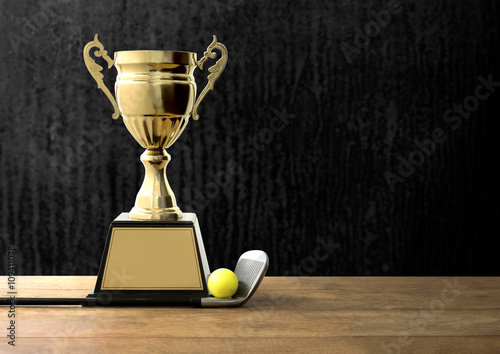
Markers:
point(154, 251)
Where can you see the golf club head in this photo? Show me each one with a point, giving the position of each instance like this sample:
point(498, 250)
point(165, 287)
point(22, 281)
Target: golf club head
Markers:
point(250, 270)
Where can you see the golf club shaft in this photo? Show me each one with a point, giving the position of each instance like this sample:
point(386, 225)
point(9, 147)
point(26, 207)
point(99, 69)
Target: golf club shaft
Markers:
point(98, 302)
point(43, 301)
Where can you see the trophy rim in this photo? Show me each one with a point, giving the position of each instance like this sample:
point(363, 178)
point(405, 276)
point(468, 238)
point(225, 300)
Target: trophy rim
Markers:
point(155, 56)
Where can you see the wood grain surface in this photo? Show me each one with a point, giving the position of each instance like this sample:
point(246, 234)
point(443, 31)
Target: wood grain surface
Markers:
point(287, 314)
point(67, 170)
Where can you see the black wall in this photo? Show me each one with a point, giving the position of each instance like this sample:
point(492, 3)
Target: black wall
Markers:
point(354, 108)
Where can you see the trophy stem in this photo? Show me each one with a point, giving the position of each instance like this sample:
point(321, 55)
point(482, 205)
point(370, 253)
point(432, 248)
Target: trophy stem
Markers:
point(155, 200)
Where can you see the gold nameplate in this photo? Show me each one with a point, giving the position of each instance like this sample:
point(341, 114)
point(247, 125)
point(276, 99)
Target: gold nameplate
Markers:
point(152, 259)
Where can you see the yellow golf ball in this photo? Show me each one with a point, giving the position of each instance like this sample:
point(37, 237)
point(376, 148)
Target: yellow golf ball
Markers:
point(222, 283)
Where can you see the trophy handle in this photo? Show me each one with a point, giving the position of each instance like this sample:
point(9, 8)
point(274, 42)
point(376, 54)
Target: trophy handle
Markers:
point(95, 69)
point(216, 70)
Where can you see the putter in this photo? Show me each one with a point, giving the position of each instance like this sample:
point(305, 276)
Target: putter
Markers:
point(250, 270)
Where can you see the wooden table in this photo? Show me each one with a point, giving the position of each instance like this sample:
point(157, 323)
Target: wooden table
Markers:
point(315, 314)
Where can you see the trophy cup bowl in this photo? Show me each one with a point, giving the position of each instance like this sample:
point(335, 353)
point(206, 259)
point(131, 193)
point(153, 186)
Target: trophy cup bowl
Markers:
point(155, 91)
point(155, 94)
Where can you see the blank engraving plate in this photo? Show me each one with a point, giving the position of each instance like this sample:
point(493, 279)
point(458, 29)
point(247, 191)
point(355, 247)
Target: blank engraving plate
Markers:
point(152, 259)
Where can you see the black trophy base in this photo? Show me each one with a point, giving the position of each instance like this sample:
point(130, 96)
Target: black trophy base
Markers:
point(152, 263)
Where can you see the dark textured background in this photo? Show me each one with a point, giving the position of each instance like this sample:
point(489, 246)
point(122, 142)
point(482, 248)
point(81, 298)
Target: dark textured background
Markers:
point(323, 175)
